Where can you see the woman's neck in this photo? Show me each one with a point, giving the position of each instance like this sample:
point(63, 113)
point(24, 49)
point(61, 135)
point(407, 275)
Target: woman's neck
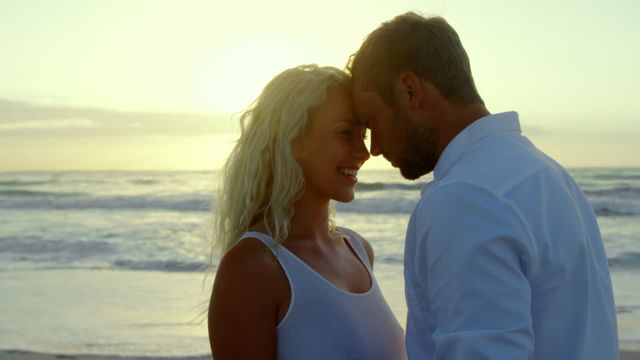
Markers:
point(310, 220)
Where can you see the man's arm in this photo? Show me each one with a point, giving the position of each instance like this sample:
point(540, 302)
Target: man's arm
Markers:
point(472, 257)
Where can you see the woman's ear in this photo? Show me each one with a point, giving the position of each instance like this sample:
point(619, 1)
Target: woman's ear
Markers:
point(299, 146)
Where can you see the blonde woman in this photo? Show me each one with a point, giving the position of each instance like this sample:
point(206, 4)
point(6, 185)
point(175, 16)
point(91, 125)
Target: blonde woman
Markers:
point(291, 284)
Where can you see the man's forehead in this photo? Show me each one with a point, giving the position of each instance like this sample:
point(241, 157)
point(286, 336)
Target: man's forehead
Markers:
point(364, 94)
point(359, 90)
point(365, 103)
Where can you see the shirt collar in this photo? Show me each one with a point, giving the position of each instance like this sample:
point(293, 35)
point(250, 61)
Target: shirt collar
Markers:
point(490, 124)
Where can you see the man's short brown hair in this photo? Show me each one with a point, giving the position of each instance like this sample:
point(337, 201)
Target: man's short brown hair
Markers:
point(428, 47)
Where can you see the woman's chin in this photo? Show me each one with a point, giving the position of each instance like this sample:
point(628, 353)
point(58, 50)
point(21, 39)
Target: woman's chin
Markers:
point(346, 198)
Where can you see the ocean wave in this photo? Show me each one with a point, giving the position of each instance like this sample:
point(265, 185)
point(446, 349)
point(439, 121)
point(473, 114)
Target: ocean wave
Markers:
point(33, 248)
point(162, 265)
point(617, 176)
point(187, 202)
point(144, 181)
point(40, 253)
point(370, 201)
point(392, 259)
point(626, 309)
point(33, 193)
point(625, 260)
point(379, 186)
point(12, 183)
point(608, 212)
point(191, 202)
point(623, 192)
point(610, 207)
point(378, 205)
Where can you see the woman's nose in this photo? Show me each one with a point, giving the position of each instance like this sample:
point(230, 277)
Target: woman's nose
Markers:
point(361, 151)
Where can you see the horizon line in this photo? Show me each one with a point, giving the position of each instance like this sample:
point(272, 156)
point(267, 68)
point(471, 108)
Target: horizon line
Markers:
point(217, 169)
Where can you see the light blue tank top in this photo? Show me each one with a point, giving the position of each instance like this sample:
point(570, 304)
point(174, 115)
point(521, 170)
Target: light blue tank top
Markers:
point(325, 322)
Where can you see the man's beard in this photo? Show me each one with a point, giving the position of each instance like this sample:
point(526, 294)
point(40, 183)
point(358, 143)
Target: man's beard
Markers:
point(418, 148)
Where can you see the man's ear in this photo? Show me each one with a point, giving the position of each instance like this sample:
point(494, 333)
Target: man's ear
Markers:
point(408, 91)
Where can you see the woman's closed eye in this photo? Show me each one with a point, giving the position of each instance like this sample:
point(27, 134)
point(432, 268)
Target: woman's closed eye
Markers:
point(352, 129)
point(348, 131)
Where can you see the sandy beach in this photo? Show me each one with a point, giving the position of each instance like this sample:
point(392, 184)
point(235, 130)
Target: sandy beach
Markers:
point(629, 355)
point(22, 355)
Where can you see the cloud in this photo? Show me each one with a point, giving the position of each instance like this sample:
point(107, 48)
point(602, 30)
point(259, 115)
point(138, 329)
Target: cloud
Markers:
point(24, 119)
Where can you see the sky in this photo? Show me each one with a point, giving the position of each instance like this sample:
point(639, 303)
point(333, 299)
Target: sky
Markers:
point(159, 84)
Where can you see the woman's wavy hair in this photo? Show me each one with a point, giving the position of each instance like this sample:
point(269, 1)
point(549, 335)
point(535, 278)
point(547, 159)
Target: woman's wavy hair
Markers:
point(261, 179)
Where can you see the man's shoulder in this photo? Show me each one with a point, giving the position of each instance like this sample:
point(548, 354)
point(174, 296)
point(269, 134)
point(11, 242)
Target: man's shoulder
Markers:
point(500, 164)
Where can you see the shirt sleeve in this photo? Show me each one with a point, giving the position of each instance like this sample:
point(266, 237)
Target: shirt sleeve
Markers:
point(471, 263)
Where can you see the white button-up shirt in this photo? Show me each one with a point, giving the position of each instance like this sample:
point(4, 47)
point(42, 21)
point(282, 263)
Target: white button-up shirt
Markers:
point(504, 258)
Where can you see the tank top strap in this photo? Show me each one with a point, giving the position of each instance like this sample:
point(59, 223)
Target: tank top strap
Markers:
point(355, 241)
point(264, 238)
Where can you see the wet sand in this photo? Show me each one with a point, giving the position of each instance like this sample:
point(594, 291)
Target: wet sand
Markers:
point(23, 355)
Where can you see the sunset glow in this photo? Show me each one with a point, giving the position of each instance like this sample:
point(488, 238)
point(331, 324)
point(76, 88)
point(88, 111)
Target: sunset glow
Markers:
point(159, 84)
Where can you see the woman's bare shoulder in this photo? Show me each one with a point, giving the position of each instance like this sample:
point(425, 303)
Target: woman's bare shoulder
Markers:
point(249, 290)
point(249, 261)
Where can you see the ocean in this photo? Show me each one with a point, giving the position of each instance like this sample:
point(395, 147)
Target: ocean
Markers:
point(110, 263)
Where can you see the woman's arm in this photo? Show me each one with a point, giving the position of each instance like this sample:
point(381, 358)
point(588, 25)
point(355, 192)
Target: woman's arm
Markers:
point(249, 291)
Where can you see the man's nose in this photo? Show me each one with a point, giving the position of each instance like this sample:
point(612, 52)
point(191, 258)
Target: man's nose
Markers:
point(375, 147)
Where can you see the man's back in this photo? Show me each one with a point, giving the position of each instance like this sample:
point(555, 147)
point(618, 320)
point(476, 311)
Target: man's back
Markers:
point(521, 245)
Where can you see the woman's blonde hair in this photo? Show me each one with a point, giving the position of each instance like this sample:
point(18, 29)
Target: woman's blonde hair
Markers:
point(261, 179)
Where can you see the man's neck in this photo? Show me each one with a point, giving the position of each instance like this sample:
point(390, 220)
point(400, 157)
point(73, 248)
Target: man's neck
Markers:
point(456, 120)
